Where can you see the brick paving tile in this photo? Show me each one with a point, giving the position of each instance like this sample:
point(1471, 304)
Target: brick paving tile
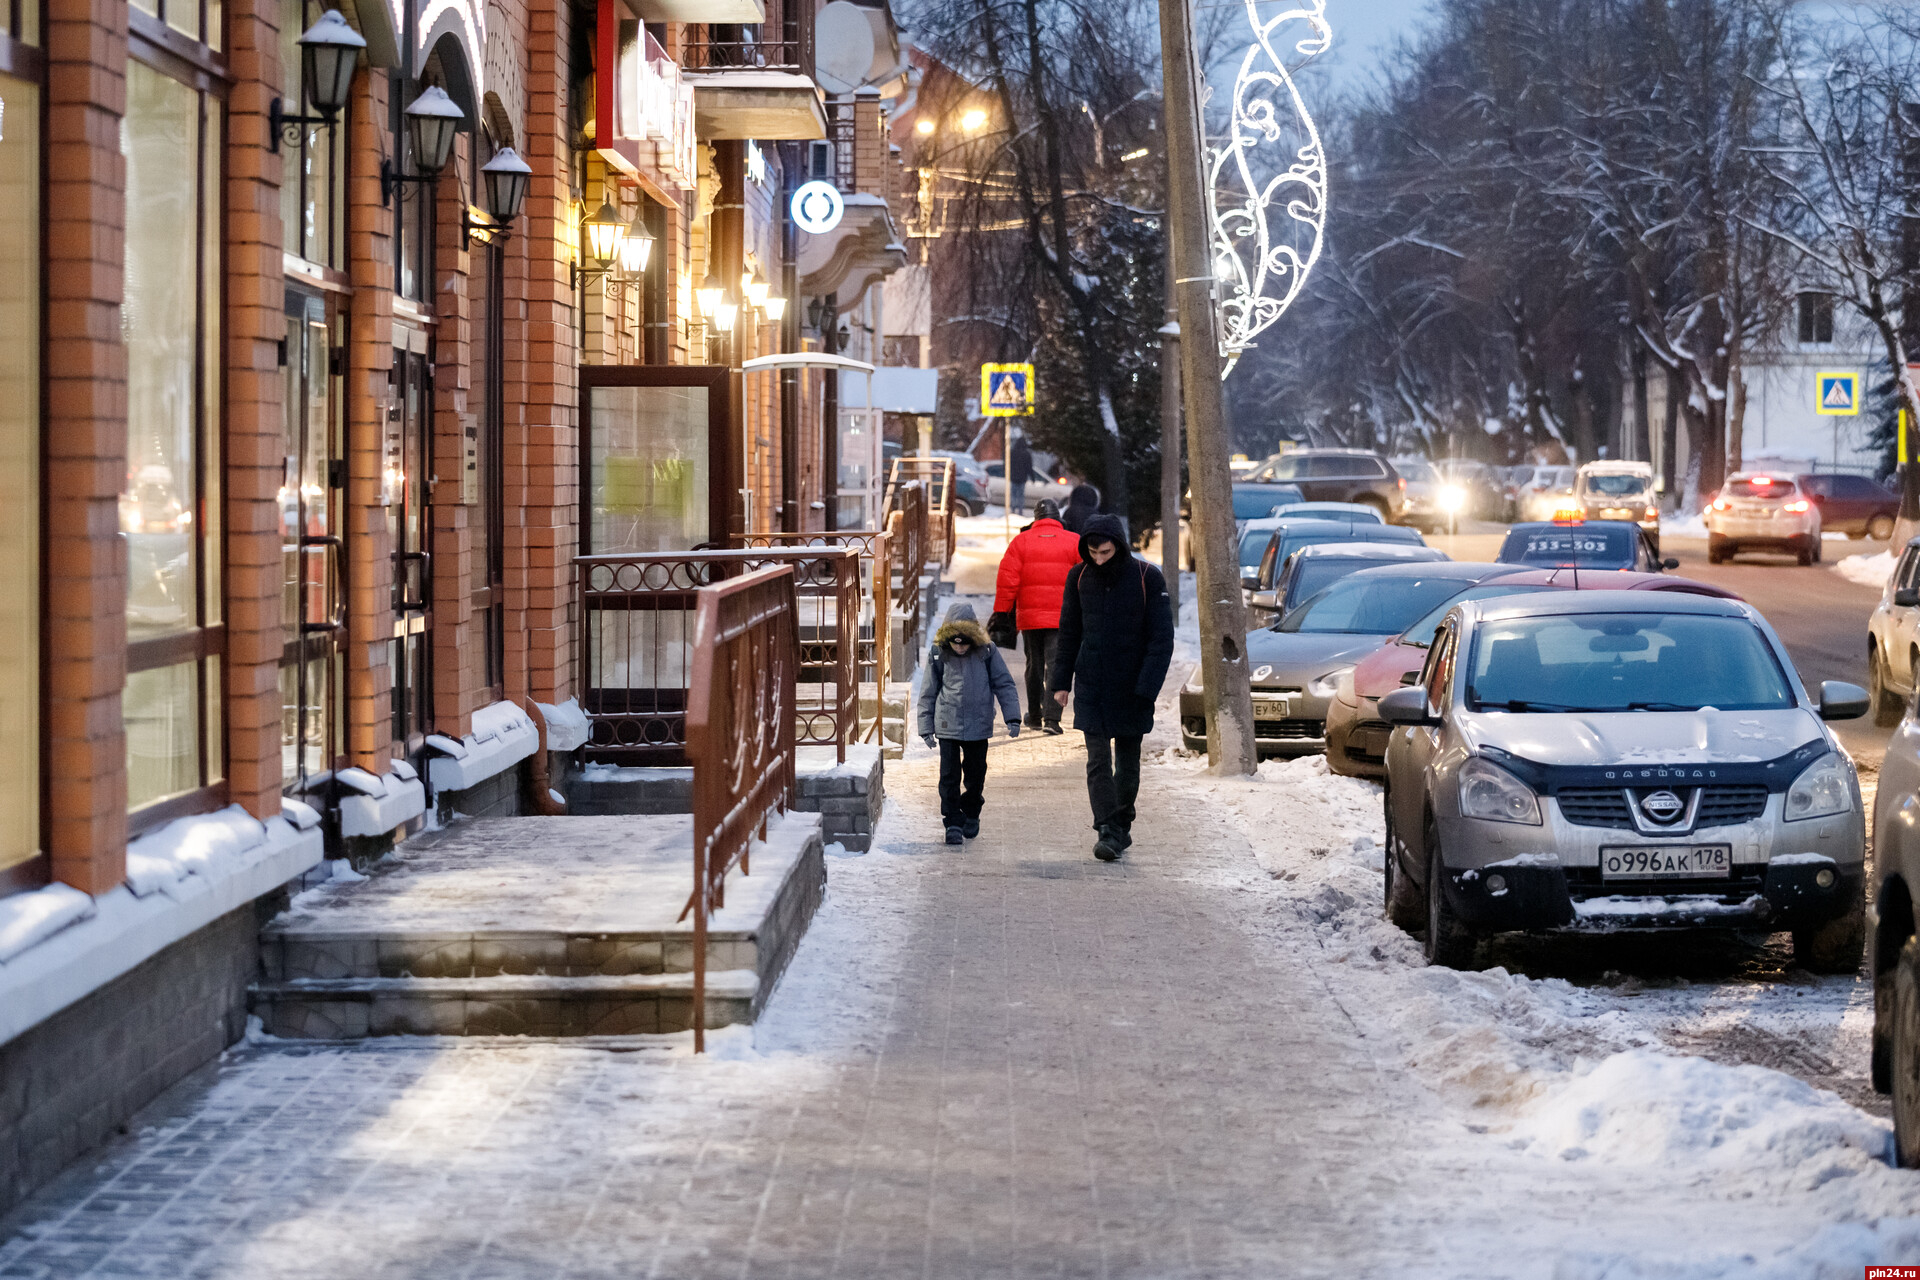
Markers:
point(998, 1060)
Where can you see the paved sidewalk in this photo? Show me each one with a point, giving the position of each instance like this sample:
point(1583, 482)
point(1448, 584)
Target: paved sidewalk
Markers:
point(1004, 1059)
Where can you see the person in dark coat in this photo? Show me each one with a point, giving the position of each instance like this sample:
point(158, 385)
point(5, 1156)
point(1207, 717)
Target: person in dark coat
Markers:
point(1083, 503)
point(1019, 467)
point(1114, 647)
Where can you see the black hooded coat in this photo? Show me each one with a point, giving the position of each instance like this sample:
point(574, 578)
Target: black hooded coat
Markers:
point(1083, 503)
point(1116, 638)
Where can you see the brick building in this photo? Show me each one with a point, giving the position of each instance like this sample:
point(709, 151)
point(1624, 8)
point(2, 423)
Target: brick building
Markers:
point(299, 437)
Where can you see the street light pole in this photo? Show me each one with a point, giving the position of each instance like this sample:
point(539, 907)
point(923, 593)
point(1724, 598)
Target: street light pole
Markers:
point(1223, 615)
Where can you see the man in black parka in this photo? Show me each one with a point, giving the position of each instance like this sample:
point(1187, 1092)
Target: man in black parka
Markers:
point(1115, 643)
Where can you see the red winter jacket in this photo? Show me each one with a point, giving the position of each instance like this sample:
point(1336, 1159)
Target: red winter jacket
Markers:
point(1033, 575)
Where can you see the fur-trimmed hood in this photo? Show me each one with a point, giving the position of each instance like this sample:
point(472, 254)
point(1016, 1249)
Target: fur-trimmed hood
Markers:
point(961, 621)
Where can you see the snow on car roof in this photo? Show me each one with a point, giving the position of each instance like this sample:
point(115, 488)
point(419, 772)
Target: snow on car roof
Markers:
point(1361, 550)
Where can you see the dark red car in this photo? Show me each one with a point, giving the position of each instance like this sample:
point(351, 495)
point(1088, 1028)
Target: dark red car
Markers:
point(1357, 737)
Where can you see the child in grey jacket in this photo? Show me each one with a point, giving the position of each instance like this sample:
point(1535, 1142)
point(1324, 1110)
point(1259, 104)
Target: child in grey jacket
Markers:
point(965, 676)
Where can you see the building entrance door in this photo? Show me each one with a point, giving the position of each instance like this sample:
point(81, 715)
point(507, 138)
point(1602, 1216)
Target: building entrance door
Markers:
point(407, 473)
point(312, 660)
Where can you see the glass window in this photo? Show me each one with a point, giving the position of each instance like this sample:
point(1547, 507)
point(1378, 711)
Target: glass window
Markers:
point(312, 192)
point(1369, 606)
point(1626, 662)
point(1816, 317)
point(169, 510)
point(19, 473)
point(648, 488)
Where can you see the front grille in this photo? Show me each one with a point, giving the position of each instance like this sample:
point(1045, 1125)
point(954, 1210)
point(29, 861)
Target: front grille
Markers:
point(1595, 807)
point(1292, 730)
point(1721, 806)
point(1608, 806)
point(1747, 880)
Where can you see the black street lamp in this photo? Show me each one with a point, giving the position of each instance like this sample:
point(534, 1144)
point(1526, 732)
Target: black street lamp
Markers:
point(432, 119)
point(329, 56)
point(504, 181)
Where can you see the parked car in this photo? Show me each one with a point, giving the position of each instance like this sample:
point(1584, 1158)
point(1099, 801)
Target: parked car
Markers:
point(1337, 475)
point(1762, 511)
point(1038, 486)
point(1359, 512)
point(1357, 736)
point(1584, 544)
point(1471, 489)
point(1422, 509)
point(1284, 537)
point(1512, 480)
point(1853, 505)
point(1894, 953)
point(1313, 569)
point(1893, 639)
point(1618, 491)
point(1544, 494)
point(1297, 663)
point(1600, 760)
point(1257, 501)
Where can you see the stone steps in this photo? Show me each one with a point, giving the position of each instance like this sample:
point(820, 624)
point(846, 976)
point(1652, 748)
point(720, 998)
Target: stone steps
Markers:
point(500, 1005)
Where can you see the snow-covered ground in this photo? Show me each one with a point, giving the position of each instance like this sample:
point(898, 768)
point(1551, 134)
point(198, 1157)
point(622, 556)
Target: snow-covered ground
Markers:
point(1867, 570)
point(1695, 1062)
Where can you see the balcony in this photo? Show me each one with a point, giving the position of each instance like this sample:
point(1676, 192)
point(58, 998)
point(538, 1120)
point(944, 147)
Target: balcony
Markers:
point(756, 80)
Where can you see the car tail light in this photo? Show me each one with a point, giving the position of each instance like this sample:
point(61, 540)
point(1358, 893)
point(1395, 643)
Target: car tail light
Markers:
point(1403, 484)
point(1653, 513)
point(1802, 505)
point(1761, 482)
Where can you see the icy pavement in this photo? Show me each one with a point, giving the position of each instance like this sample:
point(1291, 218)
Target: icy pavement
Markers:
point(1211, 1059)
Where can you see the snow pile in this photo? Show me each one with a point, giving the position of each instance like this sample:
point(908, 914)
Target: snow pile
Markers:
point(212, 844)
point(26, 918)
point(1869, 571)
point(1690, 525)
point(1646, 1108)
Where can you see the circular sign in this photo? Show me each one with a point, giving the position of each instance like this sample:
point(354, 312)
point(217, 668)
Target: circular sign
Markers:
point(817, 207)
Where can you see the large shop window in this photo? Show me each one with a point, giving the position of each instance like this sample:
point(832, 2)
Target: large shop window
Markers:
point(21, 863)
point(170, 509)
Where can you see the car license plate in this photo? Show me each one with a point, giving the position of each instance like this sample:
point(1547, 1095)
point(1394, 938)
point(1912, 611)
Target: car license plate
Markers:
point(1667, 862)
point(1267, 706)
point(1754, 513)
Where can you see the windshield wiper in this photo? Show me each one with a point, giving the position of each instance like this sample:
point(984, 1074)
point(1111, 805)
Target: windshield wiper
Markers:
point(1660, 706)
point(1522, 704)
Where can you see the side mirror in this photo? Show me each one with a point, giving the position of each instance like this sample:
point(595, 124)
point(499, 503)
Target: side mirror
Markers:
point(1409, 677)
point(1265, 600)
point(1907, 598)
point(1842, 701)
point(1670, 563)
point(1407, 706)
point(1249, 582)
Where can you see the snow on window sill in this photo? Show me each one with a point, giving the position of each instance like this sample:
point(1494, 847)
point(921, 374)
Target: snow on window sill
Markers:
point(180, 878)
point(503, 735)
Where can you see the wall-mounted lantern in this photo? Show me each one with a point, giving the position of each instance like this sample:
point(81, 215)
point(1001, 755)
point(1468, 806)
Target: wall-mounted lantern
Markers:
point(503, 181)
point(329, 55)
point(432, 120)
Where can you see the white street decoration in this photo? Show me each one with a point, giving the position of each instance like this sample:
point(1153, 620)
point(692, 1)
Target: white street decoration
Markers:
point(1273, 159)
point(817, 207)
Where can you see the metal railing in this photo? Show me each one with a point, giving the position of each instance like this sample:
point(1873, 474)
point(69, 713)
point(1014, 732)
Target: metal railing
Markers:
point(782, 43)
point(739, 736)
point(937, 475)
point(907, 539)
point(873, 635)
point(637, 649)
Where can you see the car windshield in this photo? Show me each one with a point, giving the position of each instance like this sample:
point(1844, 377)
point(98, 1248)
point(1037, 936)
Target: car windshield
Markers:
point(1292, 544)
point(1281, 468)
point(1591, 545)
point(1420, 634)
point(1321, 572)
point(1252, 502)
point(1330, 511)
point(1760, 487)
point(1625, 662)
point(1376, 606)
point(1417, 472)
point(1621, 486)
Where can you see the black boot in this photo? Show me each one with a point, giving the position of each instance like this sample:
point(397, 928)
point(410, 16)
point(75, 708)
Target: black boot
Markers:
point(955, 835)
point(1106, 849)
point(970, 827)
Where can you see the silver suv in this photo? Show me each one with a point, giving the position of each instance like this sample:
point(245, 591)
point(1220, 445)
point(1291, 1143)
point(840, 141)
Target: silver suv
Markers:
point(1606, 760)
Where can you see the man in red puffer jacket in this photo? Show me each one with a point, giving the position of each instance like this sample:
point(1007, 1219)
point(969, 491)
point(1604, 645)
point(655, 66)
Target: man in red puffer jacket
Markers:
point(1033, 576)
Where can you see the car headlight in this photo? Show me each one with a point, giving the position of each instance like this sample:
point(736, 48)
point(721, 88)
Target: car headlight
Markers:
point(1490, 792)
point(1327, 684)
point(1452, 497)
point(1822, 789)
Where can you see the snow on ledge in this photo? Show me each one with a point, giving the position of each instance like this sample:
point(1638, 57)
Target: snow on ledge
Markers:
point(399, 800)
point(194, 869)
point(567, 727)
point(503, 735)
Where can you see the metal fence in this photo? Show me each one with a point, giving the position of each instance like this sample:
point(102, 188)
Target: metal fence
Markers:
point(637, 645)
point(740, 712)
point(937, 475)
point(783, 42)
point(907, 538)
point(872, 636)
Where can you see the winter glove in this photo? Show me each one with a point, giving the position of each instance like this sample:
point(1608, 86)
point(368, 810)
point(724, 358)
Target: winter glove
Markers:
point(933, 743)
point(1001, 629)
point(1013, 728)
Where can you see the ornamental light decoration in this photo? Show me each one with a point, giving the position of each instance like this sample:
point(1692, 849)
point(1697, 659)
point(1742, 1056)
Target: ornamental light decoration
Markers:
point(1272, 164)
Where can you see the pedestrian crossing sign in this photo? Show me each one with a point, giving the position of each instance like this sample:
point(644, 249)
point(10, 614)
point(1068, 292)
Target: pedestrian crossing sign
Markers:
point(1837, 395)
point(1006, 390)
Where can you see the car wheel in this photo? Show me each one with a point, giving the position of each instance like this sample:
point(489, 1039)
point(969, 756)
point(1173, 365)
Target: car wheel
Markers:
point(1880, 528)
point(1449, 943)
point(1402, 899)
point(961, 509)
point(1887, 706)
point(1905, 1052)
point(1819, 546)
point(1716, 548)
point(1804, 552)
point(1837, 945)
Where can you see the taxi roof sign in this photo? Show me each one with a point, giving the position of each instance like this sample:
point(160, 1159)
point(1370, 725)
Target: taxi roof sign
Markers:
point(1837, 395)
point(1006, 390)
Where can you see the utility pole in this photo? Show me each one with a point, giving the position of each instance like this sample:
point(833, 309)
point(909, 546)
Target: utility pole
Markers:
point(1170, 451)
point(1223, 615)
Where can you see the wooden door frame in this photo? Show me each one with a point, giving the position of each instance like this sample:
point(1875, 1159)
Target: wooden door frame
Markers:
point(725, 516)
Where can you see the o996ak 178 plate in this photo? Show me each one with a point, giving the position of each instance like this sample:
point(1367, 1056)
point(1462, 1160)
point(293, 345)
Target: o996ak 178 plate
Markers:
point(1666, 862)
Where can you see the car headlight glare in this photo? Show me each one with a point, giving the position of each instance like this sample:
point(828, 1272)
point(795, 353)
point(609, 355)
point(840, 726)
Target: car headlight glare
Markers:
point(1328, 684)
point(1490, 792)
point(1822, 789)
point(1452, 497)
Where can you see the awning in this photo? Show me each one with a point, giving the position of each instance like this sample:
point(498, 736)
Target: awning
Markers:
point(807, 360)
